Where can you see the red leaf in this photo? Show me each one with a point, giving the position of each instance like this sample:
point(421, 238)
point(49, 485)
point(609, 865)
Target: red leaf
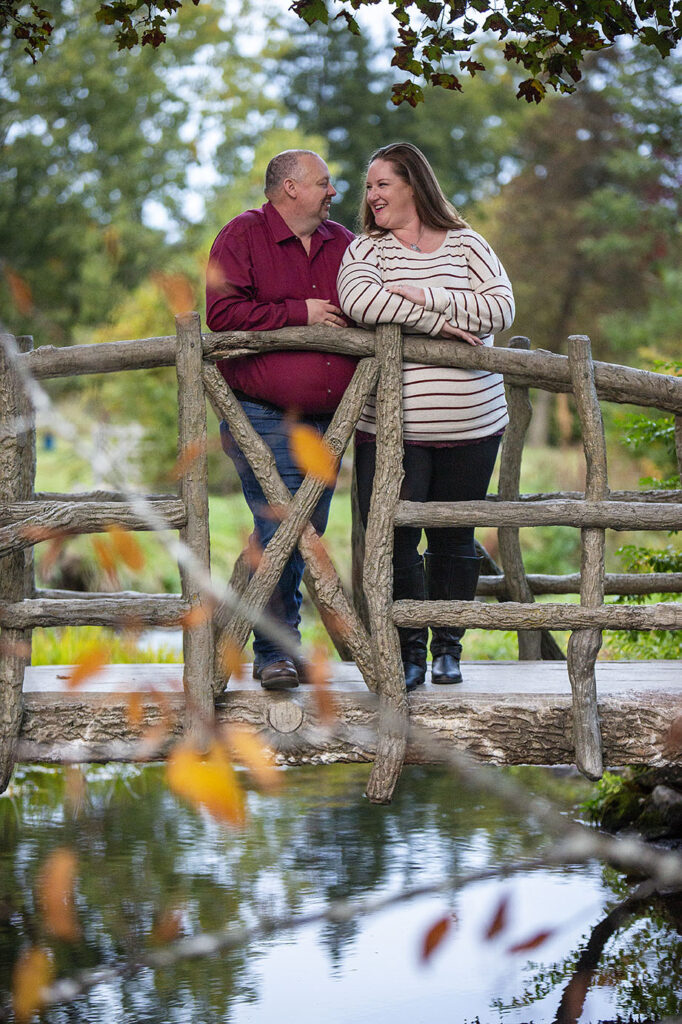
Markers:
point(434, 937)
point(499, 921)
point(532, 943)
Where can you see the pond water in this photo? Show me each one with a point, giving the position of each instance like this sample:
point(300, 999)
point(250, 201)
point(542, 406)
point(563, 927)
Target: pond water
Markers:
point(142, 852)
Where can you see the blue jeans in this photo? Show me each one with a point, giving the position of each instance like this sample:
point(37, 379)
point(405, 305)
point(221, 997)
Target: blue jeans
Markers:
point(285, 603)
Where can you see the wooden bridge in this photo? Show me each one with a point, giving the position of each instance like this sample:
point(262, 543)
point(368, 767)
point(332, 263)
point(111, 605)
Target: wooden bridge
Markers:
point(554, 717)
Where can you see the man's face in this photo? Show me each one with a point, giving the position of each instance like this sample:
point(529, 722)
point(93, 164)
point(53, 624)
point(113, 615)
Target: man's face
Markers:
point(314, 189)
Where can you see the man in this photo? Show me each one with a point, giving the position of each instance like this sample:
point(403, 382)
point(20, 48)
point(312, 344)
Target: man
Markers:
point(270, 268)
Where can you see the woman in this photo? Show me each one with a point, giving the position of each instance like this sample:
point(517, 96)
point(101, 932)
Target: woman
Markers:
point(419, 264)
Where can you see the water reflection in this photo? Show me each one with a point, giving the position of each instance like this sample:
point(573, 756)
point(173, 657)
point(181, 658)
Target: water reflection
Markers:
point(142, 854)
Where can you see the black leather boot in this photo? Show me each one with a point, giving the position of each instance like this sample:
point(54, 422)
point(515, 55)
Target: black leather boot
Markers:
point(409, 583)
point(449, 578)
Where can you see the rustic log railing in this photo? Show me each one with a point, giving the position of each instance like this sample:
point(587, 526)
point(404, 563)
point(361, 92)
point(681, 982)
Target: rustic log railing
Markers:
point(369, 638)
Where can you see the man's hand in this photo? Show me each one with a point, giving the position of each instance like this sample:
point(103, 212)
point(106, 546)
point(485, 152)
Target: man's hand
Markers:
point(409, 292)
point(450, 331)
point(320, 311)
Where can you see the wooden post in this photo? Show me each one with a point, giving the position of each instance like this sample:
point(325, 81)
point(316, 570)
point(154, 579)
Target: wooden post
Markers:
point(584, 645)
point(520, 412)
point(378, 572)
point(197, 639)
point(357, 544)
point(17, 477)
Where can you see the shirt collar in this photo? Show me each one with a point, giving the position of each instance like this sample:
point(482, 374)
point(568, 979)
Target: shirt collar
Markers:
point(281, 230)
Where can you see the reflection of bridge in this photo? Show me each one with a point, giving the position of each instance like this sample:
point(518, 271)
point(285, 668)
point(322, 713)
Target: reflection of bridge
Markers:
point(363, 629)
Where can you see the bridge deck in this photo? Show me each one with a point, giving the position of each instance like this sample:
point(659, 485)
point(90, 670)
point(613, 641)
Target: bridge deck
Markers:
point(504, 712)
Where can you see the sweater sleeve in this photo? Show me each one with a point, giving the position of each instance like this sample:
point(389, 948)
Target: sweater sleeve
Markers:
point(364, 299)
point(488, 306)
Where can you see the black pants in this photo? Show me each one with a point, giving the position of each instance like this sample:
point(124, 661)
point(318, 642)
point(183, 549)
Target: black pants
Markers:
point(432, 474)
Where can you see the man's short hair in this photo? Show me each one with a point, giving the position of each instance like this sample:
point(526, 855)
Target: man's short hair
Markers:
point(284, 165)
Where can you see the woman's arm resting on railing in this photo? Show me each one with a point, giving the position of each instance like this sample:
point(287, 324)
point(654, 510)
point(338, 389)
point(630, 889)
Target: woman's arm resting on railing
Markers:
point(488, 306)
point(418, 296)
point(364, 298)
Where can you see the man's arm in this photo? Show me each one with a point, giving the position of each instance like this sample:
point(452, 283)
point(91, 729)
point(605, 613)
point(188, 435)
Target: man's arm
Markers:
point(231, 303)
point(231, 290)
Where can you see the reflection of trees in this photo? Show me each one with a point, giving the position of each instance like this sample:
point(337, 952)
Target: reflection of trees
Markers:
point(643, 964)
point(317, 843)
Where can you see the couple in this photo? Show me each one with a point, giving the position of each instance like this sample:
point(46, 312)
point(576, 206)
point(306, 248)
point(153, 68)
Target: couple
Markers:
point(416, 263)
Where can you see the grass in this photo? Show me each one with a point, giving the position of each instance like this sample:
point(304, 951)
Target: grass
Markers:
point(550, 550)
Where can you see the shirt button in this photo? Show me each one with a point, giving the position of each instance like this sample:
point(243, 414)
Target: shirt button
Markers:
point(314, 286)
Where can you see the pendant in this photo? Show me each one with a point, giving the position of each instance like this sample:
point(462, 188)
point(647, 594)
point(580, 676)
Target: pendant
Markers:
point(415, 247)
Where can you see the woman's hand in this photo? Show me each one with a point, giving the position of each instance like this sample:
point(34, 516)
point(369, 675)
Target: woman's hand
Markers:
point(409, 292)
point(450, 331)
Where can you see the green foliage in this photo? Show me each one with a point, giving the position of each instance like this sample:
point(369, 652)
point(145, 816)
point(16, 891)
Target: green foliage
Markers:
point(549, 42)
point(590, 223)
point(336, 85)
point(90, 138)
point(66, 646)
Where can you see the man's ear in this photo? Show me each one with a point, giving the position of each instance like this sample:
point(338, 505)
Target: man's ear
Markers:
point(290, 186)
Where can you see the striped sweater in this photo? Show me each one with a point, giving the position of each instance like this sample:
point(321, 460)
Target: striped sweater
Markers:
point(465, 284)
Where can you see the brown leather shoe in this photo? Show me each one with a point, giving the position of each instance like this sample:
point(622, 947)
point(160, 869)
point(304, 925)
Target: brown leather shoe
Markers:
point(300, 664)
point(280, 675)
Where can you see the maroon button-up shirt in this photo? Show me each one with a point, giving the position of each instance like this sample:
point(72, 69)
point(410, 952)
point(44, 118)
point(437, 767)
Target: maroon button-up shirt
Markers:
point(258, 279)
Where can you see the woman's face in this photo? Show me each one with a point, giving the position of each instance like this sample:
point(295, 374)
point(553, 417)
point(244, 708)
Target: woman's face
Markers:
point(390, 197)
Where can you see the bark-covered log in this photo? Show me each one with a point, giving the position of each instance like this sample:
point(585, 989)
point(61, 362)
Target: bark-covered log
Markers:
point(31, 522)
point(103, 357)
point(536, 369)
point(100, 495)
point(197, 639)
point(503, 723)
point(614, 583)
point(605, 515)
point(327, 590)
point(667, 497)
point(520, 412)
point(17, 474)
point(378, 568)
point(584, 645)
point(476, 615)
point(113, 610)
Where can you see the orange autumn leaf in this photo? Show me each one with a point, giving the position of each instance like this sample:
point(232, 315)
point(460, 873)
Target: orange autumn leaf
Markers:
point(52, 553)
point(207, 781)
point(250, 751)
point(189, 454)
point(134, 709)
point(126, 547)
point(167, 928)
point(20, 290)
point(253, 554)
point(37, 534)
point(311, 454)
point(177, 290)
point(104, 553)
point(75, 788)
point(232, 660)
point(215, 275)
point(434, 936)
point(91, 661)
point(32, 973)
point(499, 919)
point(319, 672)
point(55, 894)
point(196, 616)
point(533, 942)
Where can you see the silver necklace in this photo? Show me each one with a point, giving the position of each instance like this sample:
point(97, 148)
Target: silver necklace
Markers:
point(412, 245)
